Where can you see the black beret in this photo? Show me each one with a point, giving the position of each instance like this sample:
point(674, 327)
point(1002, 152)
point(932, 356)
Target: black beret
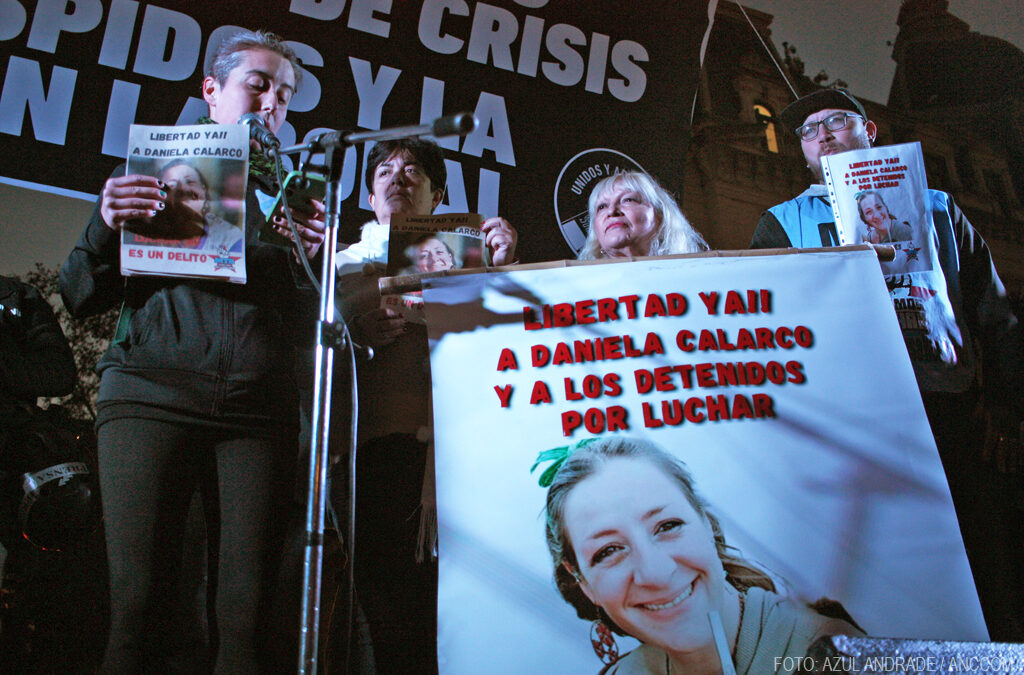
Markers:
point(797, 111)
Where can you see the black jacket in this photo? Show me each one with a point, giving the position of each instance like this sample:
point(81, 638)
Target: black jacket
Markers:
point(197, 347)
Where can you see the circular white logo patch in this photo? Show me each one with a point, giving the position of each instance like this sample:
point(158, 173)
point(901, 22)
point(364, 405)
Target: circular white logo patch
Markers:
point(575, 182)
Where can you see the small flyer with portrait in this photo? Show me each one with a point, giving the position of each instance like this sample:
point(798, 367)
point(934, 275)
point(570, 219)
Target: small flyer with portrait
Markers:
point(422, 246)
point(200, 232)
point(880, 196)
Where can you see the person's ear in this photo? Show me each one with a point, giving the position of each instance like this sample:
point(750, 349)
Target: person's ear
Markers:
point(438, 196)
point(580, 581)
point(871, 129)
point(588, 591)
point(211, 90)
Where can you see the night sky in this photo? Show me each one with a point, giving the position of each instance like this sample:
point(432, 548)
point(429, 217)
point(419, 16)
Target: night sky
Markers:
point(848, 39)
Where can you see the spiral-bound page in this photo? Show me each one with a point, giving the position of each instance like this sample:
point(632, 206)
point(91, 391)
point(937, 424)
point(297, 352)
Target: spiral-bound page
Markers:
point(841, 231)
point(880, 196)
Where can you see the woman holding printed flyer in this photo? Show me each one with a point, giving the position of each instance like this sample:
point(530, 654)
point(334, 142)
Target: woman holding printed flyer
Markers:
point(394, 520)
point(197, 389)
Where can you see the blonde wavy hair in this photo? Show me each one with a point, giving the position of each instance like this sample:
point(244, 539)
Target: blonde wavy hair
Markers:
point(673, 232)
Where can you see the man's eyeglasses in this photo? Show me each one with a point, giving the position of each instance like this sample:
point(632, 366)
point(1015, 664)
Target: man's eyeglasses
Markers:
point(835, 122)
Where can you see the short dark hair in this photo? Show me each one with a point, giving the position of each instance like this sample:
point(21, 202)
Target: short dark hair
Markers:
point(229, 53)
point(428, 154)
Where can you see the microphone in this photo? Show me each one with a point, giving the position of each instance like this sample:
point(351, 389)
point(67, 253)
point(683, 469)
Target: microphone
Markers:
point(458, 124)
point(259, 132)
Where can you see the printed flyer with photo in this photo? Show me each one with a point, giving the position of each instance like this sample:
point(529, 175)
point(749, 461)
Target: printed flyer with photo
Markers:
point(428, 246)
point(201, 231)
point(880, 196)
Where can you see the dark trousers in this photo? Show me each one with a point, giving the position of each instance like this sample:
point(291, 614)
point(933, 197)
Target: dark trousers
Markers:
point(985, 506)
point(398, 594)
point(149, 471)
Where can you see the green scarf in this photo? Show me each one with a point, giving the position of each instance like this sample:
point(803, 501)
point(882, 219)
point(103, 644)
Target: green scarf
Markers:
point(259, 163)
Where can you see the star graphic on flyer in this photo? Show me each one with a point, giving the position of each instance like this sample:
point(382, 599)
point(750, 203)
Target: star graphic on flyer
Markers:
point(912, 252)
point(225, 261)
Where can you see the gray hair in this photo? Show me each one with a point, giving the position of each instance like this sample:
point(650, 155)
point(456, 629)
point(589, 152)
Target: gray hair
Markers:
point(229, 53)
point(673, 232)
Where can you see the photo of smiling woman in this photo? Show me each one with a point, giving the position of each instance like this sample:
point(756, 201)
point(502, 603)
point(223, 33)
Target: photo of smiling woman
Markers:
point(882, 226)
point(637, 551)
point(428, 253)
point(188, 219)
point(631, 215)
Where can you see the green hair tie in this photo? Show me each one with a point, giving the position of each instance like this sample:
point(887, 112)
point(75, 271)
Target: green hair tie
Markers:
point(557, 457)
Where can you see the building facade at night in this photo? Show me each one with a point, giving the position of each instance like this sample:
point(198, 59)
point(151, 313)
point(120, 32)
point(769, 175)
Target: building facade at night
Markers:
point(969, 121)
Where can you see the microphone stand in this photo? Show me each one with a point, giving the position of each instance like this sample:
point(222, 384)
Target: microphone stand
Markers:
point(331, 336)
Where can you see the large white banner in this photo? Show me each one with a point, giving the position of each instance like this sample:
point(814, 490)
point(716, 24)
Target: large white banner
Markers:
point(781, 381)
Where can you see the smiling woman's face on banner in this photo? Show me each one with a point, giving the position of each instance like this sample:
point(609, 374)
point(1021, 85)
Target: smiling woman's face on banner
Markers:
point(645, 555)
